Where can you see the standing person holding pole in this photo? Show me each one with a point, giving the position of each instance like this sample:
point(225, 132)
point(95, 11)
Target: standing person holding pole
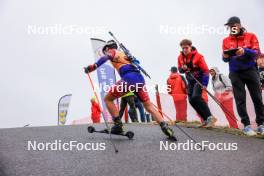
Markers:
point(240, 50)
point(194, 66)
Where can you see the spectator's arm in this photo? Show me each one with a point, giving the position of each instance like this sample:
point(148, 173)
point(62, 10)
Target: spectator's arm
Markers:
point(251, 52)
point(255, 43)
point(226, 59)
point(225, 48)
point(205, 70)
point(227, 82)
point(254, 50)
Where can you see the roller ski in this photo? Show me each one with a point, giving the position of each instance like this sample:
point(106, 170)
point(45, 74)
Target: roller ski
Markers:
point(117, 129)
point(128, 134)
point(167, 131)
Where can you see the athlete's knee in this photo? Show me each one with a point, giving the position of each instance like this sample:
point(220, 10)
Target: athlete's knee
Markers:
point(109, 97)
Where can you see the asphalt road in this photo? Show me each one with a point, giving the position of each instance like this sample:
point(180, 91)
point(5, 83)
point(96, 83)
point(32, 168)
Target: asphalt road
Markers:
point(139, 157)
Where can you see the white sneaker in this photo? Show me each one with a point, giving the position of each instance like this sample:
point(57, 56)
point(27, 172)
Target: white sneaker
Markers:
point(211, 122)
point(260, 129)
point(249, 131)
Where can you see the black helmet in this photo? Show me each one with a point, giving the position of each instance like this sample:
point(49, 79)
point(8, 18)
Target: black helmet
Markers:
point(110, 44)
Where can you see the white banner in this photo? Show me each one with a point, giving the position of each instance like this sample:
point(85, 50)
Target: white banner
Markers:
point(105, 73)
point(63, 107)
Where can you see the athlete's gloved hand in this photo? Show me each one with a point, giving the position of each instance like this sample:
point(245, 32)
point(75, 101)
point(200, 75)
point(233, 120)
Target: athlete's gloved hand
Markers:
point(90, 68)
point(135, 61)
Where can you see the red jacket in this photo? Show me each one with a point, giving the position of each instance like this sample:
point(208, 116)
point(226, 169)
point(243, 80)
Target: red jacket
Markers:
point(96, 111)
point(246, 40)
point(196, 65)
point(176, 84)
point(250, 43)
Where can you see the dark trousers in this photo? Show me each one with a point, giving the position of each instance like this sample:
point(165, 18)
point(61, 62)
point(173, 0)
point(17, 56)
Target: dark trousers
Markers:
point(251, 79)
point(141, 112)
point(196, 100)
point(130, 100)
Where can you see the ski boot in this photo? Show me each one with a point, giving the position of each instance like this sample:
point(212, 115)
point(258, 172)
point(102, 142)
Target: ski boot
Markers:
point(118, 126)
point(167, 131)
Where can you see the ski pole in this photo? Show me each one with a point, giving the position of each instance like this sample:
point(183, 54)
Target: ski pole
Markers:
point(183, 131)
point(215, 99)
point(106, 124)
point(129, 55)
point(160, 111)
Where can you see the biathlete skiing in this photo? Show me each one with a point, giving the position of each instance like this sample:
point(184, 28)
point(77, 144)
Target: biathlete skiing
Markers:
point(131, 80)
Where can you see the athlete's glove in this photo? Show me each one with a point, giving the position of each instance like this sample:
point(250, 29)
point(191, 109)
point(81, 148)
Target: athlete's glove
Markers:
point(135, 61)
point(90, 68)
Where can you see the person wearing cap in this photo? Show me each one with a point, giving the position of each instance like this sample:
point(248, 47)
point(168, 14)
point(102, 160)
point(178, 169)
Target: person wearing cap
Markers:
point(131, 81)
point(260, 62)
point(243, 72)
point(223, 92)
point(193, 64)
point(95, 111)
point(177, 88)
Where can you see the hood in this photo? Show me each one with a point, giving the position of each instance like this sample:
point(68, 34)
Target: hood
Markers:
point(174, 75)
point(216, 70)
point(193, 52)
point(93, 102)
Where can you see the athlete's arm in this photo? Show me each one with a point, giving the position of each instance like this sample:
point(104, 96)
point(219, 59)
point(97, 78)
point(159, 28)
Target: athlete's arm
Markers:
point(102, 60)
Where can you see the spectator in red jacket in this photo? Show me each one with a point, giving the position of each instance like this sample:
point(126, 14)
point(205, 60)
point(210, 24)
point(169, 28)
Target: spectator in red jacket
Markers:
point(177, 88)
point(240, 50)
point(95, 111)
point(196, 70)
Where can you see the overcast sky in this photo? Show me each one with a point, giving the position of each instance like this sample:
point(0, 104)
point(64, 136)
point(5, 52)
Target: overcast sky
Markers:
point(38, 68)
